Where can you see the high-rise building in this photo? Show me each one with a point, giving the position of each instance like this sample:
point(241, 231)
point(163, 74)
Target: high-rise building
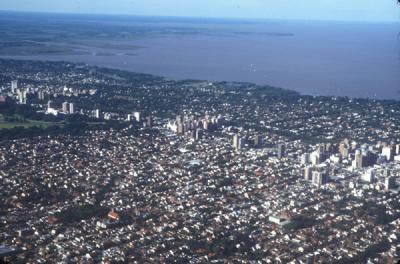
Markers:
point(390, 183)
point(71, 108)
point(65, 107)
point(199, 134)
point(14, 86)
point(236, 139)
point(320, 149)
point(180, 128)
point(149, 121)
point(308, 173)
point(344, 150)
point(242, 142)
point(388, 152)
point(97, 113)
point(281, 151)
point(137, 116)
point(179, 119)
point(315, 158)
point(359, 159)
point(305, 158)
point(368, 176)
point(364, 159)
point(258, 141)
point(319, 178)
point(49, 104)
point(41, 95)
point(397, 149)
point(206, 125)
point(328, 147)
point(22, 96)
point(193, 134)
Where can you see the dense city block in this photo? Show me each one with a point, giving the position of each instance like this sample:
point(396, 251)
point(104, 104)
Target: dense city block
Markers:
point(105, 165)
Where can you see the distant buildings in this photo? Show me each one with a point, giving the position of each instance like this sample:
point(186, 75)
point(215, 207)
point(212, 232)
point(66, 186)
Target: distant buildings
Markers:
point(390, 183)
point(136, 115)
point(50, 109)
point(97, 113)
point(199, 133)
point(22, 97)
point(65, 107)
point(388, 152)
point(315, 158)
point(206, 125)
point(14, 86)
point(368, 176)
point(305, 158)
point(149, 121)
point(71, 108)
point(281, 151)
point(41, 95)
point(258, 141)
point(308, 173)
point(319, 178)
point(364, 159)
point(238, 142)
point(235, 143)
point(279, 220)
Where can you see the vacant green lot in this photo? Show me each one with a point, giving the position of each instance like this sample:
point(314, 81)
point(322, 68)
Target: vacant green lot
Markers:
point(26, 124)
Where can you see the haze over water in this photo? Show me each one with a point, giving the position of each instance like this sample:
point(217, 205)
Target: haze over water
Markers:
point(316, 58)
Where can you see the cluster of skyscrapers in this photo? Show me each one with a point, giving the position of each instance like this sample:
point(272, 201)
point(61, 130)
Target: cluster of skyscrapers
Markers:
point(195, 127)
point(240, 142)
point(357, 157)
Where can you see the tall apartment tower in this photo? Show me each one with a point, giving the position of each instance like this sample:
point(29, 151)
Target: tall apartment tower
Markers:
point(137, 116)
point(281, 151)
point(71, 108)
point(149, 121)
point(65, 107)
point(97, 113)
point(41, 95)
point(22, 97)
point(388, 152)
point(14, 86)
point(390, 183)
point(199, 134)
point(236, 141)
point(368, 176)
point(179, 119)
point(308, 173)
point(258, 141)
point(319, 178)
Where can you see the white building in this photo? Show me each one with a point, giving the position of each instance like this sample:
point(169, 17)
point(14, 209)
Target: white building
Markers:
point(388, 153)
point(97, 113)
point(65, 107)
point(71, 108)
point(315, 158)
point(369, 176)
point(22, 96)
point(137, 116)
point(14, 86)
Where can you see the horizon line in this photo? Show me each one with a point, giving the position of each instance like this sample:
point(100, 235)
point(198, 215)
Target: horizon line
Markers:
point(200, 17)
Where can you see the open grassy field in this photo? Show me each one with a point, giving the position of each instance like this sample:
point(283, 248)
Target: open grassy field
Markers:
point(26, 124)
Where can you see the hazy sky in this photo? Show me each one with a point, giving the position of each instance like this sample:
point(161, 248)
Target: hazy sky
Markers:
point(367, 10)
